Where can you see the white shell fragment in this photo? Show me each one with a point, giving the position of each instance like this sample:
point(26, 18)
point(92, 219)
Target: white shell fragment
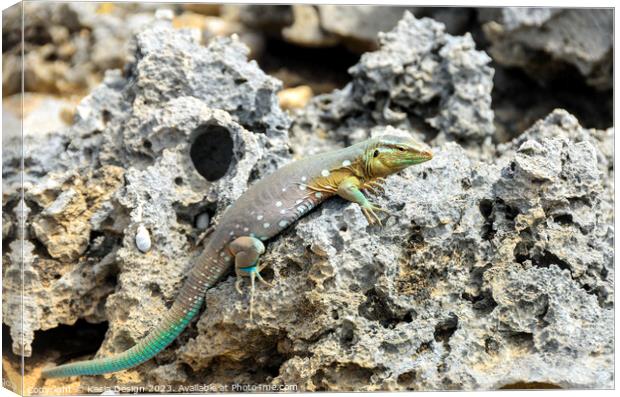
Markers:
point(143, 239)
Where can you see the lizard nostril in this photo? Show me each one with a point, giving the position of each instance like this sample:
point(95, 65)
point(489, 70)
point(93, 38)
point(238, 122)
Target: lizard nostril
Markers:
point(212, 151)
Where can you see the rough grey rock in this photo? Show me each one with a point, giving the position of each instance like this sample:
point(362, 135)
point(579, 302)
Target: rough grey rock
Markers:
point(420, 78)
point(359, 24)
point(544, 41)
point(578, 238)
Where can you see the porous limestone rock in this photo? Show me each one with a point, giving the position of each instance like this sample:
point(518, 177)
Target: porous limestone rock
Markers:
point(421, 78)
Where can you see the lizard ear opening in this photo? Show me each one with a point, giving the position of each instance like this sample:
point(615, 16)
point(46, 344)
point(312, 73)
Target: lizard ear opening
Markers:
point(211, 151)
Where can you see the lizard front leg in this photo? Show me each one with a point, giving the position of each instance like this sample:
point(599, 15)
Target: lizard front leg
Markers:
point(247, 251)
point(349, 189)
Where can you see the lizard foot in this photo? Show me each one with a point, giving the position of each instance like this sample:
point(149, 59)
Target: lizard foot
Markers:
point(371, 215)
point(247, 251)
point(254, 273)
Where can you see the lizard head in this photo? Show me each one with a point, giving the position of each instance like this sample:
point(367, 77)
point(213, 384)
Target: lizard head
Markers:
point(389, 154)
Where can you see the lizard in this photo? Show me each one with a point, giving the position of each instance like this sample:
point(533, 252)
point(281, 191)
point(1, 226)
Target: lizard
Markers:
point(264, 210)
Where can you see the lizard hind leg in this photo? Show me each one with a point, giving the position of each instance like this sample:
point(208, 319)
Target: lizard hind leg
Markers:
point(247, 251)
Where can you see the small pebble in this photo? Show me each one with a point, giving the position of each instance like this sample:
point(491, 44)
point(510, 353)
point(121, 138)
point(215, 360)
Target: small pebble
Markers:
point(202, 220)
point(295, 98)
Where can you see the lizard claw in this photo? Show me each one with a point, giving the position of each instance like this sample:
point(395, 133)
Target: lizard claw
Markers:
point(377, 185)
point(371, 215)
point(252, 276)
point(371, 189)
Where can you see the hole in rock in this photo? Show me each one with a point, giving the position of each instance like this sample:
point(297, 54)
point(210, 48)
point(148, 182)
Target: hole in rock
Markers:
point(378, 307)
point(522, 340)
point(212, 151)
point(80, 338)
point(446, 328)
point(61, 344)
point(106, 116)
point(563, 219)
point(547, 259)
point(406, 378)
point(486, 207)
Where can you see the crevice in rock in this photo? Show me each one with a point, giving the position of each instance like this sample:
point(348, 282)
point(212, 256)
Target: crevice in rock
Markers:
point(254, 175)
point(378, 307)
point(101, 243)
point(523, 340)
point(486, 209)
point(406, 379)
point(272, 365)
point(40, 249)
point(491, 346)
point(347, 334)
point(319, 335)
point(212, 151)
point(547, 259)
point(522, 250)
point(424, 347)
point(483, 303)
point(188, 214)
point(446, 328)
point(291, 268)
point(155, 290)
point(522, 253)
point(563, 219)
point(415, 238)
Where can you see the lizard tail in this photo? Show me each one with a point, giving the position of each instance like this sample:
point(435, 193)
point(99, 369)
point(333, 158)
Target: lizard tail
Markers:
point(185, 307)
point(156, 341)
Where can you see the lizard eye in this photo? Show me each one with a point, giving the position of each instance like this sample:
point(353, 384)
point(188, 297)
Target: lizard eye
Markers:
point(401, 149)
point(376, 153)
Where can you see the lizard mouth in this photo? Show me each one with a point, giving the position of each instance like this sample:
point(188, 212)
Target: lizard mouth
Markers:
point(420, 157)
